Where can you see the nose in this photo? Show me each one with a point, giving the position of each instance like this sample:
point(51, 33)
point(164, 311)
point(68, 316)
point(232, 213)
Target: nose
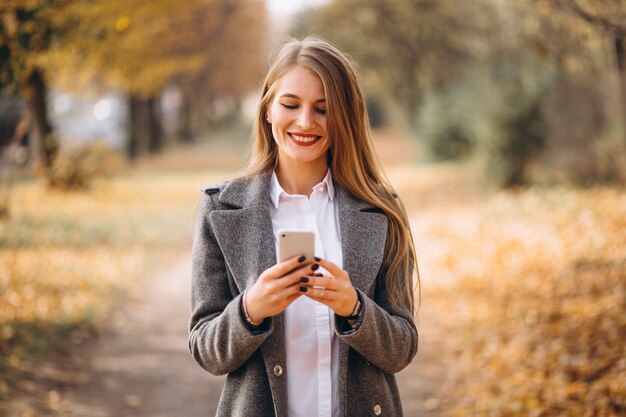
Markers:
point(305, 120)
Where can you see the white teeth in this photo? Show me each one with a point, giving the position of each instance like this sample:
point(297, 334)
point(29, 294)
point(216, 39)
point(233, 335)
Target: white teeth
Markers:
point(304, 138)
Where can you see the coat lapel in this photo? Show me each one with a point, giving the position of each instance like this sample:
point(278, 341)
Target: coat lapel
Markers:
point(363, 238)
point(244, 231)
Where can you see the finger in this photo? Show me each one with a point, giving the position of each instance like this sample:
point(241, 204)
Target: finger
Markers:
point(321, 294)
point(295, 275)
point(282, 295)
point(276, 286)
point(290, 299)
point(293, 291)
point(289, 286)
point(329, 266)
point(285, 267)
point(322, 281)
point(296, 288)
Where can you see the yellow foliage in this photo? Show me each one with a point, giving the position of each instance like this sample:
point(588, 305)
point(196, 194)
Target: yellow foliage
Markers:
point(67, 259)
point(529, 290)
point(141, 46)
point(122, 23)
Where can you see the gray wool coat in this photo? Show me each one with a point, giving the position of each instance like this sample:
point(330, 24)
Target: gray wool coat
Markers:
point(233, 245)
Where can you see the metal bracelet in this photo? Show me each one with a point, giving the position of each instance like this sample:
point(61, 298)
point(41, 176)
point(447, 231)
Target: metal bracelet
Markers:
point(245, 311)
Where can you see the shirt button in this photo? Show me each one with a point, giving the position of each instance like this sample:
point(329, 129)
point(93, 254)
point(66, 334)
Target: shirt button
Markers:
point(377, 409)
point(278, 370)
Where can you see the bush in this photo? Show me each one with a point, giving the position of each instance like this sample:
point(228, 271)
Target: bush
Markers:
point(77, 167)
point(453, 141)
point(375, 112)
point(450, 122)
point(520, 138)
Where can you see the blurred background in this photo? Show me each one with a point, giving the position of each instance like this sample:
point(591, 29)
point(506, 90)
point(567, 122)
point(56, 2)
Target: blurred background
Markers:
point(500, 122)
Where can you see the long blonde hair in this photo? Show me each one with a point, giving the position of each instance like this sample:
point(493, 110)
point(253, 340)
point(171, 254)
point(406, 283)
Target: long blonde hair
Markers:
point(351, 156)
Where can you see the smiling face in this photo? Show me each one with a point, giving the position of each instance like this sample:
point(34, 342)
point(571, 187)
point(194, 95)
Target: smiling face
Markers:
point(298, 117)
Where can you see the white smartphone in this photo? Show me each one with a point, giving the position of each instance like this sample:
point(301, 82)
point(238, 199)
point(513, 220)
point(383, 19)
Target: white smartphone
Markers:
point(296, 243)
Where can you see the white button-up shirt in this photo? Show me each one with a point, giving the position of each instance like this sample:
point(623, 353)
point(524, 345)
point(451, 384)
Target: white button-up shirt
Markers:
point(311, 346)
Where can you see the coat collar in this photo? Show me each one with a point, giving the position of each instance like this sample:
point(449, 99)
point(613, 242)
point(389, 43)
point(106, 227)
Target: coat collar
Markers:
point(249, 191)
point(253, 190)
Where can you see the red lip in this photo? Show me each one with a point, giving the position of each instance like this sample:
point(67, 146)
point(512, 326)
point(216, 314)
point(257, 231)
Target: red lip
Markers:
point(304, 135)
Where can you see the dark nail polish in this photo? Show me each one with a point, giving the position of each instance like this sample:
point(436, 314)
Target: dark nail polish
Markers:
point(304, 279)
point(302, 258)
point(317, 259)
point(315, 267)
point(302, 289)
point(318, 274)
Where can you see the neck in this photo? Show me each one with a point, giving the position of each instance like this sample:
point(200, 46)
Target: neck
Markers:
point(299, 178)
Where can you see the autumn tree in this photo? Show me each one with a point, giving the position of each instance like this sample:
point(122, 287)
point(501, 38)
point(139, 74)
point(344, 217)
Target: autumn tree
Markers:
point(609, 18)
point(27, 29)
point(140, 47)
point(476, 74)
point(235, 57)
point(412, 46)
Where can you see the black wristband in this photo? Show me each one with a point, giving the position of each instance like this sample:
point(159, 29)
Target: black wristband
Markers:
point(357, 311)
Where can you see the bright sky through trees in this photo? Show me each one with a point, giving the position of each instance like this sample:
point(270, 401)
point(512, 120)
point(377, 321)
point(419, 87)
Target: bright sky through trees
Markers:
point(287, 7)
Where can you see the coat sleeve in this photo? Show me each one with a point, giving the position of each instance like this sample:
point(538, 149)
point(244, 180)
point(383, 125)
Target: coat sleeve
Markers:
point(385, 336)
point(220, 340)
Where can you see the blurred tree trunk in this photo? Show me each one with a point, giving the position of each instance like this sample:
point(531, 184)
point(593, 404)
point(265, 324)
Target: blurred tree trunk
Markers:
point(137, 131)
point(14, 125)
point(6, 167)
point(145, 133)
point(185, 118)
point(155, 130)
point(44, 145)
point(620, 60)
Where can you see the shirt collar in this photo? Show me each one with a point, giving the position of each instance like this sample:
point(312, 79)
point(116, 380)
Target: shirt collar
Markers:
point(328, 183)
point(276, 190)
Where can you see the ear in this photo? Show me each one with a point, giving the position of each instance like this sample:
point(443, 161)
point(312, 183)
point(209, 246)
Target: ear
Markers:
point(268, 117)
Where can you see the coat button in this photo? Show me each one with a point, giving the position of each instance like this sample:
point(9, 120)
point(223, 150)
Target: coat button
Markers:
point(378, 409)
point(278, 370)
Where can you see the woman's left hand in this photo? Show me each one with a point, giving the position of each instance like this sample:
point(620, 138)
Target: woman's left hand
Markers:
point(333, 289)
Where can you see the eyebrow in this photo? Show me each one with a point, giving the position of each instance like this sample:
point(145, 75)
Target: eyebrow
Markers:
point(289, 95)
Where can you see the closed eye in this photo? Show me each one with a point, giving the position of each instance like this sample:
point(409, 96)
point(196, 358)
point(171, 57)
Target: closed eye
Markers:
point(295, 106)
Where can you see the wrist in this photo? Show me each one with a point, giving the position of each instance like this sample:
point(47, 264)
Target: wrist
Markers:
point(246, 313)
point(356, 310)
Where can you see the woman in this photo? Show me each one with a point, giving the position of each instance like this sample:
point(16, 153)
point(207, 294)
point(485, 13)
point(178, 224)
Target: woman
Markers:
point(321, 339)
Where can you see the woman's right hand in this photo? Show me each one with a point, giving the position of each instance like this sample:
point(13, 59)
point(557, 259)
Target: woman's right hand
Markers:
point(276, 288)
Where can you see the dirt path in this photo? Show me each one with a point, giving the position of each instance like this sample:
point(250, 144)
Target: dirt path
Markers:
point(141, 367)
point(422, 383)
